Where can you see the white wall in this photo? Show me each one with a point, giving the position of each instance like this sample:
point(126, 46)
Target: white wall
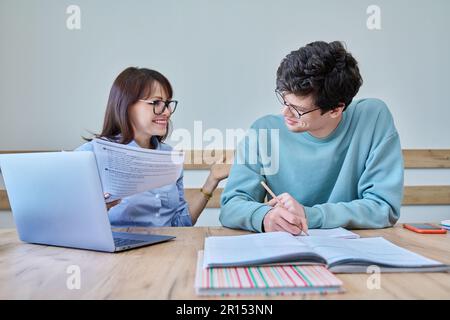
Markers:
point(221, 57)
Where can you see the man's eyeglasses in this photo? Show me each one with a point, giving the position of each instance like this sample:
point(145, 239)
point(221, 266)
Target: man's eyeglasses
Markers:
point(292, 108)
point(159, 106)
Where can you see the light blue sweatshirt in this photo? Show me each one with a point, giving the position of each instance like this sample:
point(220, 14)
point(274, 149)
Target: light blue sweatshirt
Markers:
point(353, 178)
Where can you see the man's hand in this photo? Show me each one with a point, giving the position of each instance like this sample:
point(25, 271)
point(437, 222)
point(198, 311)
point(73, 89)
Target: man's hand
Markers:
point(287, 216)
point(280, 219)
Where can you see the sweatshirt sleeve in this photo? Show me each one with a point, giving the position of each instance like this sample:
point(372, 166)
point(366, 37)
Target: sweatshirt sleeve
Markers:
point(242, 200)
point(380, 190)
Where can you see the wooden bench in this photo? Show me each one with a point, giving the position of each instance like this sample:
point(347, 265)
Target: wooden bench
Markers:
point(413, 195)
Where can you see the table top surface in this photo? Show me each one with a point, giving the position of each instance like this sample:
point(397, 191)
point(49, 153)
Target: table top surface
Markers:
point(167, 270)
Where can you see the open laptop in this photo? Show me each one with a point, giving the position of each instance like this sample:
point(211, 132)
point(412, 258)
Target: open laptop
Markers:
point(56, 199)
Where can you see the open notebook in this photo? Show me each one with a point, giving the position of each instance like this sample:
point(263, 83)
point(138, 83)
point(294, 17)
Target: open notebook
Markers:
point(339, 255)
point(266, 280)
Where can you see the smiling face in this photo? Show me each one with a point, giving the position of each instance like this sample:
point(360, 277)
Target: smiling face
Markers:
point(302, 105)
point(144, 122)
point(316, 123)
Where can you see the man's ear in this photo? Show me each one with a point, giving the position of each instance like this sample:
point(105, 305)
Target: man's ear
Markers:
point(337, 111)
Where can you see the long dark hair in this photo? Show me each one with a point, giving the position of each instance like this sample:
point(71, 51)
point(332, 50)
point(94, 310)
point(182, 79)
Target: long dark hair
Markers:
point(130, 85)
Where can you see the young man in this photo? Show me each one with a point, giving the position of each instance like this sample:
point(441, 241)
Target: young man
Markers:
point(338, 162)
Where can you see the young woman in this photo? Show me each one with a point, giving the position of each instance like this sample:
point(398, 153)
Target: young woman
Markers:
point(138, 114)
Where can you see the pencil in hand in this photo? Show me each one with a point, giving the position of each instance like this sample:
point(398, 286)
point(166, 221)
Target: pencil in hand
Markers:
point(265, 186)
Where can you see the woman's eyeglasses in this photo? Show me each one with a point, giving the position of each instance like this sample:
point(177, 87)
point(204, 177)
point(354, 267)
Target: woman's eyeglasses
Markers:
point(159, 106)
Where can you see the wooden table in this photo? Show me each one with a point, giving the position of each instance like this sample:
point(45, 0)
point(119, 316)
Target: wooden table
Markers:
point(167, 270)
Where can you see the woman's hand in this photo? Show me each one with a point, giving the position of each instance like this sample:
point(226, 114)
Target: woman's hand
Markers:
point(219, 171)
point(111, 204)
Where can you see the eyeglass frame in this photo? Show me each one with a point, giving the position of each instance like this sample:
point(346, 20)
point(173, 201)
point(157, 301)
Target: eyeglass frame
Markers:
point(280, 97)
point(166, 105)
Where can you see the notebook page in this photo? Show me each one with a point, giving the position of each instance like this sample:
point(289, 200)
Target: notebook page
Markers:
point(126, 170)
point(375, 250)
point(333, 233)
point(256, 248)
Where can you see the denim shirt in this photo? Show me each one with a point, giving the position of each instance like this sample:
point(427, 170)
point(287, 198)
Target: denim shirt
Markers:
point(161, 207)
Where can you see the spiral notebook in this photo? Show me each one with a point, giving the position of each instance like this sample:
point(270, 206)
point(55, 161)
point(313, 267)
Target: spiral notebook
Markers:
point(265, 280)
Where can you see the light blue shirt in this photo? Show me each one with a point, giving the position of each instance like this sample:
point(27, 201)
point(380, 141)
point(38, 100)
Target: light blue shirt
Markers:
point(352, 178)
point(159, 207)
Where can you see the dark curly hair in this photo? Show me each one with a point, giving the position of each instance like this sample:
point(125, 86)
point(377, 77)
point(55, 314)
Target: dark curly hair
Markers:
point(325, 70)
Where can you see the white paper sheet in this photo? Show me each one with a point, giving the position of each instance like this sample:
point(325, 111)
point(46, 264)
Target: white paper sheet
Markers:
point(126, 170)
point(332, 233)
point(237, 250)
point(378, 250)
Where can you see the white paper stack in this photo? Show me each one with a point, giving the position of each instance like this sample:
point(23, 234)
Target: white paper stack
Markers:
point(126, 170)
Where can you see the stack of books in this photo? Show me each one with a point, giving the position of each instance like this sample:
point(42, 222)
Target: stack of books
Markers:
point(280, 263)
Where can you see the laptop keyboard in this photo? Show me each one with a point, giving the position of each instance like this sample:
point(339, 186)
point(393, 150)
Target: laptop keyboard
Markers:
point(120, 242)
